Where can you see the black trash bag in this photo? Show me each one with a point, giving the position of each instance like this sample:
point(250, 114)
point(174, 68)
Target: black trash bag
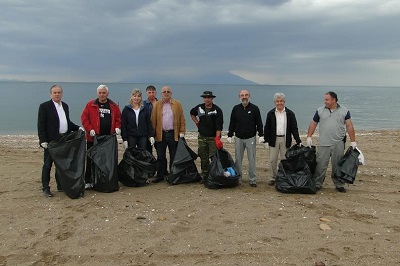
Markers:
point(104, 156)
point(68, 154)
point(221, 161)
point(347, 167)
point(136, 166)
point(183, 168)
point(309, 154)
point(294, 173)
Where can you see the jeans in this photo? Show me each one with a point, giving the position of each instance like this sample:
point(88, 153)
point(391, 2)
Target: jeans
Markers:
point(139, 142)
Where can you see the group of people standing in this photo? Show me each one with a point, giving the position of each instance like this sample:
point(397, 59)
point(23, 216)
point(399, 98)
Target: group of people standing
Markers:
point(160, 123)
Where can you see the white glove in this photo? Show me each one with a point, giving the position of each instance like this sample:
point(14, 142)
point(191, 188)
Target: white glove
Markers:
point(181, 135)
point(44, 145)
point(125, 144)
point(261, 140)
point(92, 133)
point(229, 139)
point(151, 139)
point(81, 128)
point(353, 144)
point(309, 142)
point(266, 145)
point(118, 131)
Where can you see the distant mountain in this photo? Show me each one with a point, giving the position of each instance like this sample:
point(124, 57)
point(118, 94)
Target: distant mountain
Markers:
point(215, 78)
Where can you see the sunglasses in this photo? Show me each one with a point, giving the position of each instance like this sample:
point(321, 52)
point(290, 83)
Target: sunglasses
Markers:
point(166, 92)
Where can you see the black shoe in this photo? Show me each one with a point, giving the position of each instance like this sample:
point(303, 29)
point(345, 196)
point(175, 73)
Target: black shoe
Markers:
point(47, 193)
point(271, 182)
point(253, 184)
point(341, 189)
point(158, 179)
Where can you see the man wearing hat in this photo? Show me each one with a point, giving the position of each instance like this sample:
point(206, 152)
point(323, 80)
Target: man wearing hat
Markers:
point(209, 120)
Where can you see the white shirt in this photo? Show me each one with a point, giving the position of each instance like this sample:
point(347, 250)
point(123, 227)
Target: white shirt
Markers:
point(280, 122)
point(62, 117)
point(137, 111)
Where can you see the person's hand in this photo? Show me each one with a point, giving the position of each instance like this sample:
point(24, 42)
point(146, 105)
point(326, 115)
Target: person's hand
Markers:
point(125, 144)
point(353, 144)
point(44, 145)
point(197, 123)
point(181, 135)
point(117, 131)
point(92, 133)
point(229, 139)
point(261, 140)
point(81, 128)
point(218, 142)
point(309, 142)
point(266, 145)
point(151, 139)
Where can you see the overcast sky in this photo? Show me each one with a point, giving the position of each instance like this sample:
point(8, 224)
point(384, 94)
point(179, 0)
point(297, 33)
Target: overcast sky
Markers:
point(320, 42)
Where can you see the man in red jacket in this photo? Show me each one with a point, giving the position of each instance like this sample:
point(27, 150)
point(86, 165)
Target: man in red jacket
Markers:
point(100, 117)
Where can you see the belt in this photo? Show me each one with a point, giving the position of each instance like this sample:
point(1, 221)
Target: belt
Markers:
point(168, 131)
point(280, 136)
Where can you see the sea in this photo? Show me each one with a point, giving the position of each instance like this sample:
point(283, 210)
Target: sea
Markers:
point(371, 108)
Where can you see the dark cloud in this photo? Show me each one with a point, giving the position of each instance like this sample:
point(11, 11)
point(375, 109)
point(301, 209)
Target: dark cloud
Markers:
point(290, 42)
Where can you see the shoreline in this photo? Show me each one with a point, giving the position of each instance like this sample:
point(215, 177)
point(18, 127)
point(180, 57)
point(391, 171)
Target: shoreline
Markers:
point(31, 140)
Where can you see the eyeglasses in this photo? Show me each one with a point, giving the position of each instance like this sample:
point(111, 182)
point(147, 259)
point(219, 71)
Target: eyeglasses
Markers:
point(166, 92)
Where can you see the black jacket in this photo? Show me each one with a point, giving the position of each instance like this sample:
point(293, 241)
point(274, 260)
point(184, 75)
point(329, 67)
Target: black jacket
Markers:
point(49, 123)
point(245, 121)
point(128, 123)
point(209, 122)
point(291, 128)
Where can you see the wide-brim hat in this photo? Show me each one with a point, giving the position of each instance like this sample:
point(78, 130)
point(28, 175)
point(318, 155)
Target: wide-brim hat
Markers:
point(208, 94)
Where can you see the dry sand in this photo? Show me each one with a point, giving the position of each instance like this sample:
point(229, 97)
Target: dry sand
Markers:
point(192, 225)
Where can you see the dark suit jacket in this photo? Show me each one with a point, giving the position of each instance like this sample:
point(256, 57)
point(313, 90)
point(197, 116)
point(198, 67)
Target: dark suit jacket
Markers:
point(49, 123)
point(291, 128)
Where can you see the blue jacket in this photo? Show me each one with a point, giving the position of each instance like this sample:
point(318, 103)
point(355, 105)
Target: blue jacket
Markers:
point(129, 126)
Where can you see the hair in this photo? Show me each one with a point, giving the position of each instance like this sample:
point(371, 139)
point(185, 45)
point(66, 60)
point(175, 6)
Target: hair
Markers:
point(55, 85)
point(102, 87)
point(332, 94)
point(151, 88)
point(279, 95)
point(136, 92)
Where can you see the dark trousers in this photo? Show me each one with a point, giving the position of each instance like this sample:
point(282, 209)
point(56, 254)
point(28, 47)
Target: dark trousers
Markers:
point(88, 171)
point(139, 142)
point(46, 169)
point(167, 141)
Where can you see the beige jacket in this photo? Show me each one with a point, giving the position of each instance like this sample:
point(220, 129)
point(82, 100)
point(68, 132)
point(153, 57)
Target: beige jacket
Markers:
point(179, 119)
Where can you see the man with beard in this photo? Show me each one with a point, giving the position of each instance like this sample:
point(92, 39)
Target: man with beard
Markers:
point(245, 122)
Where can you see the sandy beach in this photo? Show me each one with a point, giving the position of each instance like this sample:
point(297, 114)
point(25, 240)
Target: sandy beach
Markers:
point(191, 225)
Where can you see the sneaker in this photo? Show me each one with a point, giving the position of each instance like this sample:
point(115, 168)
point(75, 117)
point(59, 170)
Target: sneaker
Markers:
point(271, 182)
point(341, 189)
point(88, 186)
point(253, 184)
point(47, 193)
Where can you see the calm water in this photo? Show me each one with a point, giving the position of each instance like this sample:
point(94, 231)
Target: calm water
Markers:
point(370, 107)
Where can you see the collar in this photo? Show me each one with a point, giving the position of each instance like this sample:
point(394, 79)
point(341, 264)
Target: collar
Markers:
point(284, 110)
point(58, 104)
